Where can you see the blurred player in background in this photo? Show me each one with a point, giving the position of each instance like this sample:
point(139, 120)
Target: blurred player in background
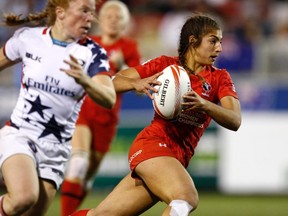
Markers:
point(60, 66)
point(97, 126)
point(161, 152)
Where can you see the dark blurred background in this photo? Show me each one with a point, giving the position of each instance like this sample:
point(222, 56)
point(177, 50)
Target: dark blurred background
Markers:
point(255, 52)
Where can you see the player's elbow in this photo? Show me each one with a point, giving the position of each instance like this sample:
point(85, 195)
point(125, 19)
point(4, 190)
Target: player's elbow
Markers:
point(236, 123)
point(106, 100)
point(235, 128)
point(111, 100)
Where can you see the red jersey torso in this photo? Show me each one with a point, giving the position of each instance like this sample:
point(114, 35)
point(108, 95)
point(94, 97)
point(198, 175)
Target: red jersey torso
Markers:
point(186, 130)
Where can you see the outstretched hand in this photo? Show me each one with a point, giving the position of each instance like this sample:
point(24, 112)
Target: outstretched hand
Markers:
point(75, 70)
point(147, 85)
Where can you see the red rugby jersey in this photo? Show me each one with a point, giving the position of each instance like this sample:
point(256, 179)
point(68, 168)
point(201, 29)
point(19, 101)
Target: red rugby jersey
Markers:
point(187, 129)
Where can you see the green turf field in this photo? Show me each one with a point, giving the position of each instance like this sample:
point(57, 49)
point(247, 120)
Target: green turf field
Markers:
point(211, 204)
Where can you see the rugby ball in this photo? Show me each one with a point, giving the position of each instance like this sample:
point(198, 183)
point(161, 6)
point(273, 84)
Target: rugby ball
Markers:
point(175, 82)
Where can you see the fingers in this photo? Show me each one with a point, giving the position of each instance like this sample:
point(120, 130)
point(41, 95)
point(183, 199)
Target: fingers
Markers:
point(148, 93)
point(154, 82)
point(154, 78)
point(73, 59)
point(75, 69)
point(73, 63)
point(188, 100)
point(148, 85)
point(192, 101)
point(153, 88)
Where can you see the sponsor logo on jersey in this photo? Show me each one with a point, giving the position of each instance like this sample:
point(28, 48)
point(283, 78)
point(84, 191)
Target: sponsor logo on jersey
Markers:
point(163, 145)
point(207, 89)
point(32, 146)
point(33, 57)
point(49, 88)
point(192, 118)
point(135, 155)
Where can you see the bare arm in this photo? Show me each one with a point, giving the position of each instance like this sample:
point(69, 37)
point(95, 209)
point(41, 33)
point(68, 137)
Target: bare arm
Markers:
point(123, 80)
point(4, 61)
point(99, 88)
point(228, 114)
point(129, 79)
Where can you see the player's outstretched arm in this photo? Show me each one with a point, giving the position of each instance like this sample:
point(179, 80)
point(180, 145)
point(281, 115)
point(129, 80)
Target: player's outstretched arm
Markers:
point(102, 91)
point(99, 88)
point(129, 79)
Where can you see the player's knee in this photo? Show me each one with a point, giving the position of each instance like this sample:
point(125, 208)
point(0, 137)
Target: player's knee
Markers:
point(180, 208)
point(77, 166)
point(193, 200)
point(189, 196)
point(185, 202)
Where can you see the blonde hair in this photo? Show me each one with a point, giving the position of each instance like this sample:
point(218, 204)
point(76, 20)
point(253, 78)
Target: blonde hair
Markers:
point(115, 3)
point(48, 15)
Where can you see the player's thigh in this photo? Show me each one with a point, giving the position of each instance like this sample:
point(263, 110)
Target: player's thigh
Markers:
point(82, 138)
point(167, 178)
point(129, 197)
point(20, 173)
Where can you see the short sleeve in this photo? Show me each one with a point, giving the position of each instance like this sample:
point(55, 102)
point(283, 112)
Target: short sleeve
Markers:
point(226, 85)
point(99, 62)
point(155, 65)
point(14, 46)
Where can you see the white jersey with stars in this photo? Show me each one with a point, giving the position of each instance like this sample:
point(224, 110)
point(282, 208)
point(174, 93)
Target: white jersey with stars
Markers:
point(49, 99)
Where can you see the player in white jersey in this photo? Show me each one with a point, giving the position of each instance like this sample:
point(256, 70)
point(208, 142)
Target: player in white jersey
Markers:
point(60, 66)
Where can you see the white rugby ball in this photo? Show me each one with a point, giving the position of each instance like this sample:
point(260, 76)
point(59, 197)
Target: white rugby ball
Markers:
point(175, 83)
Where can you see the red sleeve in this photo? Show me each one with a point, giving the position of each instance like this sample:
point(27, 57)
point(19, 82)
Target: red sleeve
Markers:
point(226, 85)
point(155, 65)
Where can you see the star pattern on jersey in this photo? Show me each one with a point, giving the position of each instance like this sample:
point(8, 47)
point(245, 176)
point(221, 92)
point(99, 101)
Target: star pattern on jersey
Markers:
point(105, 64)
point(52, 127)
point(27, 119)
point(91, 46)
point(99, 62)
point(103, 51)
point(36, 106)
